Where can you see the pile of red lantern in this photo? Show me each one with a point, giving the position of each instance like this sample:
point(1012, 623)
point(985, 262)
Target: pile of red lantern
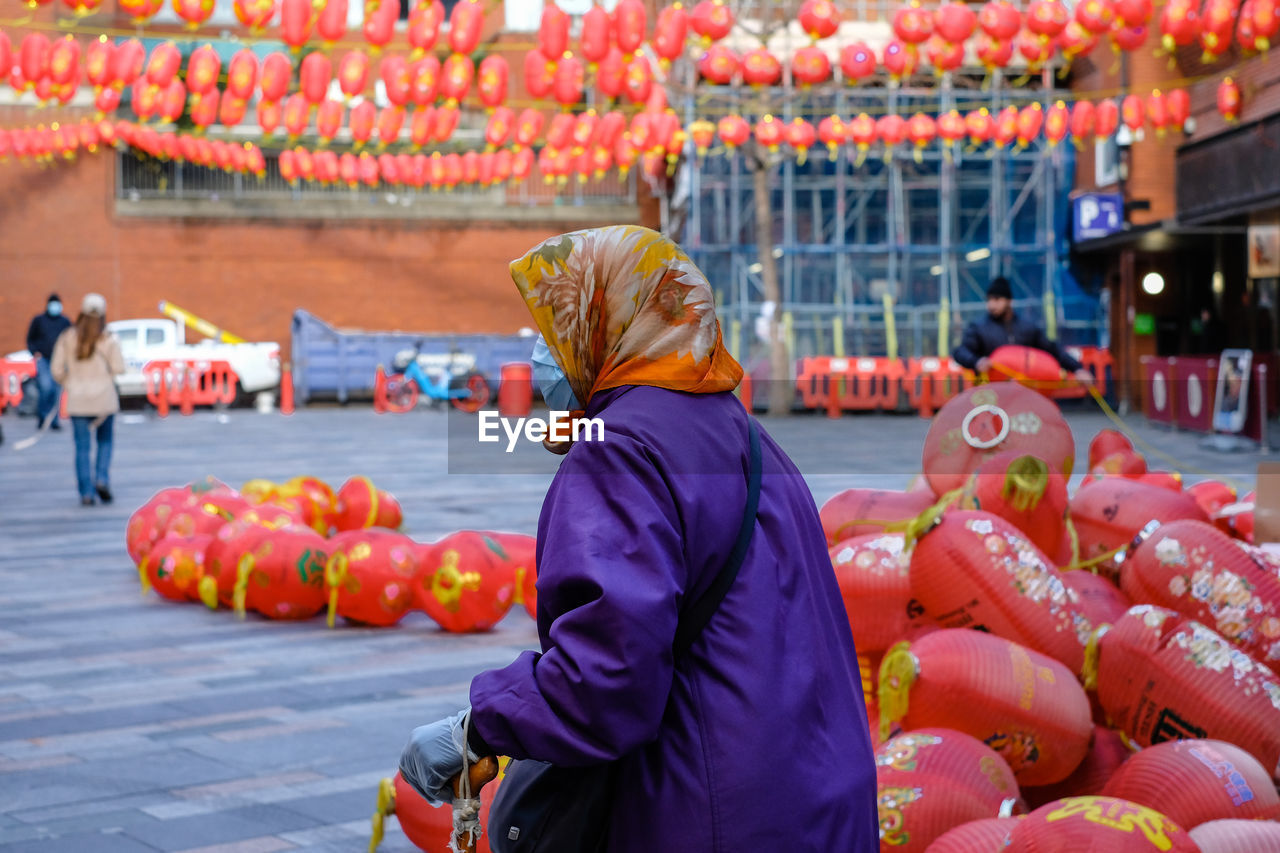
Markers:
point(1101, 660)
point(294, 550)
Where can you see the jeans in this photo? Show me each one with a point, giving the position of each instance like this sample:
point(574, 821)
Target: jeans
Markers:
point(50, 391)
point(101, 473)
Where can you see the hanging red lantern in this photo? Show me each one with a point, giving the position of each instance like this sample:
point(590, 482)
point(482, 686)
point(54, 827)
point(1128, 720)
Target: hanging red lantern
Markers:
point(522, 164)
point(832, 132)
point(638, 82)
point(161, 67)
point(276, 74)
point(1082, 123)
point(422, 127)
point(146, 100)
point(629, 23)
point(857, 61)
point(304, 164)
point(396, 82)
point(703, 134)
point(254, 14)
point(819, 18)
point(380, 18)
point(1107, 119)
point(455, 78)
point(539, 74)
point(97, 61)
point(172, 101)
point(353, 73)
point(425, 19)
point(528, 127)
point(800, 136)
point(1035, 49)
point(1026, 706)
point(921, 130)
point(232, 110)
point(1264, 19)
point(446, 123)
point(892, 130)
point(761, 68)
point(899, 59)
point(601, 163)
point(331, 20)
point(491, 83)
point(584, 131)
point(1096, 16)
point(64, 61)
point(1047, 19)
point(1076, 41)
point(194, 12)
point(1179, 24)
point(415, 167)
point(1055, 123)
point(595, 38)
point(140, 11)
point(361, 121)
point(465, 25)
point(1229, 100)
point(862, 132)
point(980, 127)
point(1178, 102)
point(712, 20)
point(314, 77)
point(568, 81)
point(390, 121)
point(367, 169)
point(951, 128)
point(424, 79)
point(642, 133)
point(769, 132)
point(1157, 112)
point(944, 55)
point(106, 101)
point(1217, 23)
point(329, 119)
point(498, 129)
point(994, 53)
point(1132, 113)
point(719, 65)
point(1133, 13)
point(733, 131)
point(389, 171)
point(912, 25)
point(269, 114)
point(625, 155)
point(810, 65)
point(553, 32)
point(295, 23)
point(1000, 20)
point(670, 33)
point(612, 125)
point(954, 22)
point(242, 74)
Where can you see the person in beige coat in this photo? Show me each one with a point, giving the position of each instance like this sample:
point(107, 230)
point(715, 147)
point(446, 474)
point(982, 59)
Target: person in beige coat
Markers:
point(86, 360)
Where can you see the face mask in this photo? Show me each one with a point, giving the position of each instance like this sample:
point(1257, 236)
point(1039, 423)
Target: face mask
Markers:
point(54, 309)
point(551, 379)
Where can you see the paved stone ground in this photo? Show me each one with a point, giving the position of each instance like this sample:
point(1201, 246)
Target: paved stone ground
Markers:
point(132, 724)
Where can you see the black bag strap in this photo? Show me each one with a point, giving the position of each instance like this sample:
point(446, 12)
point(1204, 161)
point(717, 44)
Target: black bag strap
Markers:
point(692, 622)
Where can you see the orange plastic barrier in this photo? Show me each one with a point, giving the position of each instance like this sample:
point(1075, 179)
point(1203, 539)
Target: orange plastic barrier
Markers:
point(12, 375)
point(188, 384)
point(850, 384)
point(1093, 359)
point(931, 382)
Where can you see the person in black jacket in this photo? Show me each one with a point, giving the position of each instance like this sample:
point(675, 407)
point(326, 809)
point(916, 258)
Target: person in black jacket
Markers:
point(41, 336)
point(1002, 326)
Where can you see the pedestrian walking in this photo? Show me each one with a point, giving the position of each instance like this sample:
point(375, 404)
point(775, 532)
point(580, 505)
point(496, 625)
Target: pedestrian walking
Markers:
point(86, 359)
point(42, 334)
point(747, 733)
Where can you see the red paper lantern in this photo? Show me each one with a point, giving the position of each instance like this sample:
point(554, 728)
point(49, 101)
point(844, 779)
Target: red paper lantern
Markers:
point(1230, 836)
point(422, 127)
point(857, 61)
point(1082, 121)
point(553, 32)
point(1107, 119)
point(1099, 825)
point(584, 130)
point(446, 123)
point(276, 73)
point(242, 75)
point(712, 20)
point(429, 827)
point(638, 82)
point(810, 65)
point(1178, 103)
point(396, 81)
point(629, 23)
point(64, 61)
point(329, 119)
point(174, 568)
point(371, 574)
point(594, 41)
point(232, 110)
point(1264, 20)
point(871, 571)
point(522, 164)
point(951, 128)
point(297, 111)
point(1133, 13)
point(944, 55)
point(1056, 123)
point(911, 24)
point(1179, 24)
point(314, 76)
point(1035, 49)
point(1096, 16)
point(1047, 18)
point(1108, 514)
point(800, 136)
point(568, 81)
point(761, 68)
point(361, 121)
point(539, 74)
point(1197, 781)
point(498, 129)
point(921, 130)
point(360, 505)
point(670, 32)
point(1025, 491)
point(1000, 20)
point(819, 18)
point(1229, 100)
point(955, 22)
point(255, 14)
point(390, 121)
point(424, 79)
point(980, 126)
point(1106, 754)
point(560, 133)
point(989, 419)
point(769, 132)
point(899, 59)
point(1076, 41)
point(323, 166)
point(528, 127)
point(172, 101)
point(140, 11)
point(994, 53)
point(464, 584)
point(285, 581)
point(733, 131)
point(194, 12)
point(455, 78)
point(161, 67)
point(719, 65)
point(492, 80)
point(425, 19)
point(106, 101)
point(353, 73)
point(832, 132)
point(380, 17)
point(1157, 112)
point(97, 61)
point(295, 23)
point(892, 130)
point(988, 835)
point(465, 25)
point(1024, 705)
point(331, 22)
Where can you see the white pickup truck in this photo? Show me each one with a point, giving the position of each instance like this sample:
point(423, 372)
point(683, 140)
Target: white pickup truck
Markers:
point(256, 365)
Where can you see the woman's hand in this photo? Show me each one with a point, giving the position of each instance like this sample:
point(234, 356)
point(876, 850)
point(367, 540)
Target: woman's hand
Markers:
point(434, 756)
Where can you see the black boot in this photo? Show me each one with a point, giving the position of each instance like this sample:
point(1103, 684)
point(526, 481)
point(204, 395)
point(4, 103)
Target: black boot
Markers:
point(104, 493)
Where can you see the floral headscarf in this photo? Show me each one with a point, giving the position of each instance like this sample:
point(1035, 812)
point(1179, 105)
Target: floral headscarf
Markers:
point(622, 305)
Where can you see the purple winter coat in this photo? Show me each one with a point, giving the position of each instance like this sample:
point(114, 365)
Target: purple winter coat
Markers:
point(758, 739)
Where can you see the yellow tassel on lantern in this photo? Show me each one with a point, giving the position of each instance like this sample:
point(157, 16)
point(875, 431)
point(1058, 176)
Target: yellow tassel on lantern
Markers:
point(1025, 482)
point(898, 671)
point(386, 806)
point(1089, 669)
point(243, 568)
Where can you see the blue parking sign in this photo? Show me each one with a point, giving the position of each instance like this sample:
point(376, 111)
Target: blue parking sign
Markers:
point(1097, 215)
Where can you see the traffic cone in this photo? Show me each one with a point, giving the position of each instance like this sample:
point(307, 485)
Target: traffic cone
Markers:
point(162, 402)
point(186, 398)
point(286, 389)
point(380, 391)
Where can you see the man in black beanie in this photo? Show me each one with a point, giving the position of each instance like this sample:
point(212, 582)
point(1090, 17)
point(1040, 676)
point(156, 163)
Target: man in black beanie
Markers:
point(42, 334)
point(1000, 327)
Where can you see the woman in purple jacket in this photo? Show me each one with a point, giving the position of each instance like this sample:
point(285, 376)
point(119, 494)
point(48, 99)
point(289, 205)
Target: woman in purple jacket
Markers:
point(757, 738)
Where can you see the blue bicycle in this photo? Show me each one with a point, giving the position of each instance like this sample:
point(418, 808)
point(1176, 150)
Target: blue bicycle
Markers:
point(453, 378)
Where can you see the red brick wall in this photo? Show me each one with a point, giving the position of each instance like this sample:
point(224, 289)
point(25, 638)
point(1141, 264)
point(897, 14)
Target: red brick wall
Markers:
point(58, 232)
